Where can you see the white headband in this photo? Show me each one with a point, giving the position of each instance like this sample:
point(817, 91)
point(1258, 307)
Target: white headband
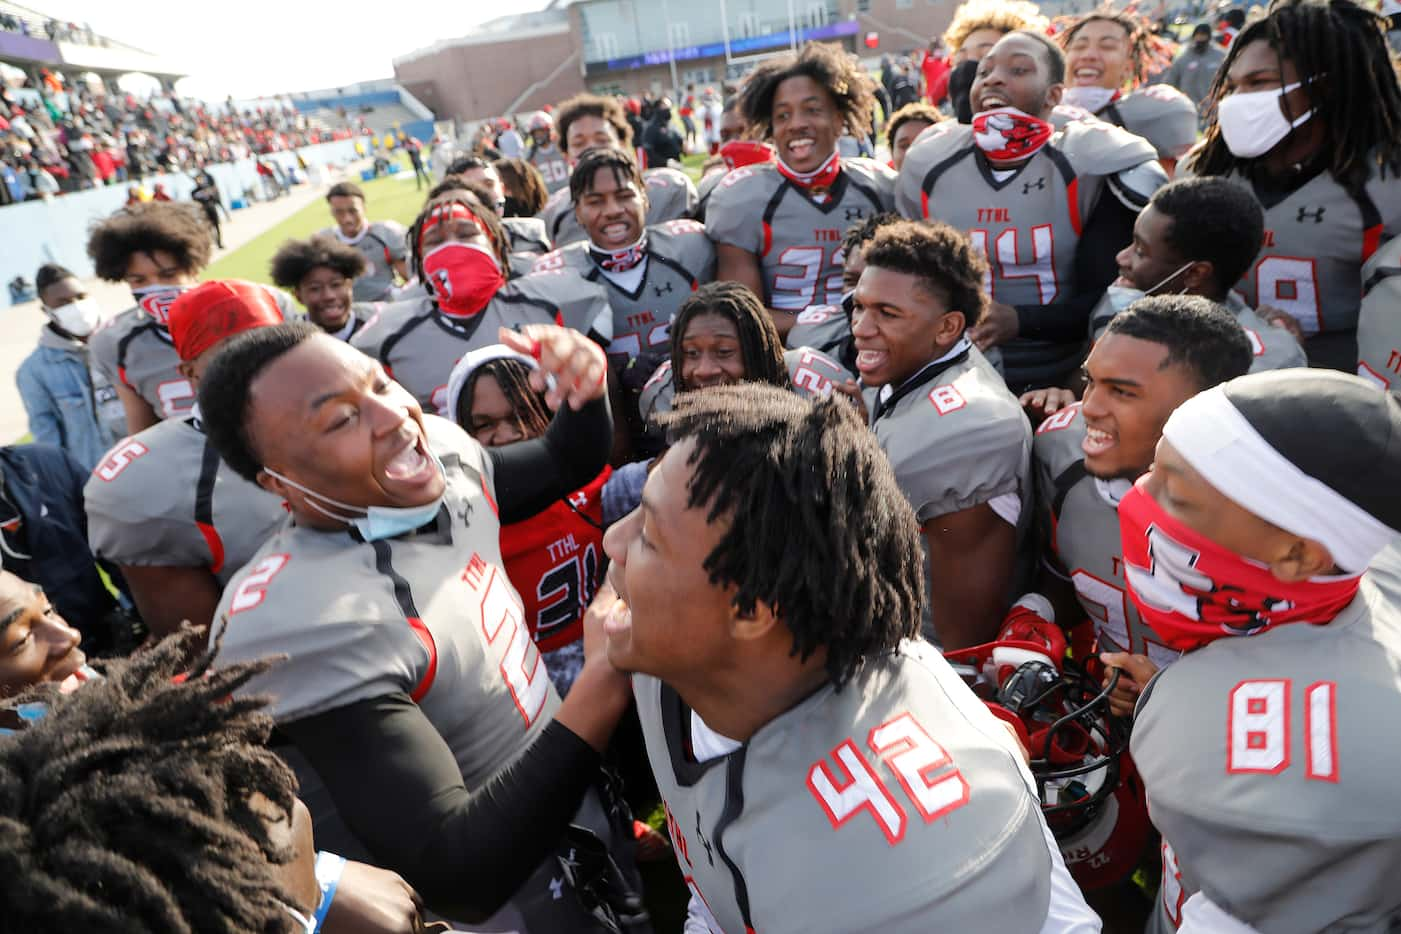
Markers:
point(470, 362)
point(1216, 439)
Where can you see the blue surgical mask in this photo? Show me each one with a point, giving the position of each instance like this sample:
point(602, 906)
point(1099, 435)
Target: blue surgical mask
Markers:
point(372, 522)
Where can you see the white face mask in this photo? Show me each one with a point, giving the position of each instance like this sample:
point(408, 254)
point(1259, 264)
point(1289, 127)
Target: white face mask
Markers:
point(79, 317)
point(372, 522)
point(1253, 124)
point(1091, 99)
point(1122, 296)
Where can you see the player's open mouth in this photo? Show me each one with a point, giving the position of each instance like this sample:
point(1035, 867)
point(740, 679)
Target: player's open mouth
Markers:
point(616, 231)
point(411, 465)
point(991, 102)
point(801, 148)
point(1096, 442)
point(868, 361)
point(1088, 76)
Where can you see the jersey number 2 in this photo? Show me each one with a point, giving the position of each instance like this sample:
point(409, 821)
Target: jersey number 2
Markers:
point(924, 770)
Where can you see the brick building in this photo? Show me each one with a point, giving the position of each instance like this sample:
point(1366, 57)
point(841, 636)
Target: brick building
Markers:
point(520, 63)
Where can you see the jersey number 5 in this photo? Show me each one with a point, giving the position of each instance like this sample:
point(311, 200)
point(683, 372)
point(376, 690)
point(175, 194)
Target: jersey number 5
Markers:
point(924, 770)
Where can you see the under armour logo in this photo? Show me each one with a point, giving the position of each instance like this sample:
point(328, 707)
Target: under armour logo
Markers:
point(855, 214)
point(661, 291)
point(700, 835)
point(1039, 185)
point(557, 888)
point(1305, 213)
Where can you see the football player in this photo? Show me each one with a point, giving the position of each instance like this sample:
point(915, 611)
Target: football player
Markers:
point(905, 125)
point(321, 273)
point(722, 336)
point(778, 226)
point(1260, 755)
point(1198, 236)
point(527, 234)
point(1379, 321)
point(646, 270)
point(1049, 208)
point(957, 439)
point(399, 633)
point(1308, 117)
point(828, 327)
point(460, 252)
point(158, 250)
point(554, 558)
point(743, 152)
point(1154, 356)
point(162, 505)
point(976, 27)
point(1109, 56)
point(381, 243)
point(591, 122)
point(544, 152)
point(822, 768)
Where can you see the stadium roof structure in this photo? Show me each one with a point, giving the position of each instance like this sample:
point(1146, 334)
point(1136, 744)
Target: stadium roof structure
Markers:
point(97, 53)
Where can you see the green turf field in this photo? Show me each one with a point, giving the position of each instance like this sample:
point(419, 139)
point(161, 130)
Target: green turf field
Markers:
point(386, 198)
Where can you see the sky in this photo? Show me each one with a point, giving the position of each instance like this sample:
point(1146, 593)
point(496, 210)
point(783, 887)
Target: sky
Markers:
point(251, 48)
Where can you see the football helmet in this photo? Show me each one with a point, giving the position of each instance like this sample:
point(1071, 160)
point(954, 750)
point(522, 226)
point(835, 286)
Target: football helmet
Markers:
point(540, 121)
point(1090, 792)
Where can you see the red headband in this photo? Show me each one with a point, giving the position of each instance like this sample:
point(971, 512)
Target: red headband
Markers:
point(452, 211)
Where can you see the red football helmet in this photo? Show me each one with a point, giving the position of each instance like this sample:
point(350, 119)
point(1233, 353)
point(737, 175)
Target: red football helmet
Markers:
point(1090, 792)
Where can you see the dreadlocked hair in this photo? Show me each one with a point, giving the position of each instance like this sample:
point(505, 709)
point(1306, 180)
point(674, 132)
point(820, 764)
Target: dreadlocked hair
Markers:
point(1002, 15)
point(126, 807)
point(851, 89)
point(531, 413)
point(1339, 50)
point(760, 347)
point(1148, 53)
point(453, 190)
point(817, 527)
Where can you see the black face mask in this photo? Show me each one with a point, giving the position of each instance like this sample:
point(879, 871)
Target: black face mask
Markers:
point(514, 207)
point(1200, 44)
point(664, 116)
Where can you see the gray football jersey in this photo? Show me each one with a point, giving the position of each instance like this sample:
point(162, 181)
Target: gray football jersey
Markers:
point(134, 349)
point(1270, 773)
point(1082, 526)
point(1274, 348)
point(798, 240)
point(706, 188)
point(382, 245)
point(956, 437)
point(893, 805)
point(680, 259)
point(528, 242)
point(164, 498)
point(1159, 113)
point(1379, 321)
point(811, 373)
point(430, 614)
point(670, 196)
point(1028, 224)
point(1317, 239)
point(552, 164)
point(419, 346)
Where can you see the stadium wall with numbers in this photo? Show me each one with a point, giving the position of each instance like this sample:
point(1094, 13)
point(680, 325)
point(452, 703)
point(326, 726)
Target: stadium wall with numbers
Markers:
point(36, 232)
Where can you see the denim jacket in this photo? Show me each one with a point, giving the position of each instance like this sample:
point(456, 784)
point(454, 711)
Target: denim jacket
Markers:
point(70, 405)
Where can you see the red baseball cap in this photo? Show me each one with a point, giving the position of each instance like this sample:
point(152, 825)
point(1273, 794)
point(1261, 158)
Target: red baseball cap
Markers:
point(208, 313)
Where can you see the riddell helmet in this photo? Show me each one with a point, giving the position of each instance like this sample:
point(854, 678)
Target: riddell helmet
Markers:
point(540, 121)
point(1090, 793)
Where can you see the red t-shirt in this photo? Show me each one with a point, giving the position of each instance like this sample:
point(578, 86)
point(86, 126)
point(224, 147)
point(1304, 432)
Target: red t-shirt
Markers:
point(936, 78)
